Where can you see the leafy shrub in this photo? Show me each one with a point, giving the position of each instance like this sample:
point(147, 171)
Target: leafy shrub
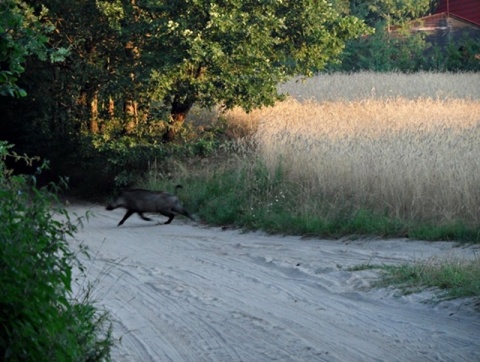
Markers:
point(39, 320)
point(106, 161)
point(126, 158)
point(384, 52)
point(461, 57)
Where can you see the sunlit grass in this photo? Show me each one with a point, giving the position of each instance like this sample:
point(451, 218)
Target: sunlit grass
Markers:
point(407, 153)
point(370, 85)
point(416, 160)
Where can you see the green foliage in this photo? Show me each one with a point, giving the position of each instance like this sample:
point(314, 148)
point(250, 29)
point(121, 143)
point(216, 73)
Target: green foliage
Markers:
point(391, 12)
point(455, 278)
point(383, 52)
point(463, 56)
point(452, 277)
point(138, 68)
point(39, 320)
point(453, 231)
point(408, 52)
point(236, 52)
point(23, 32)
point(153, 60)
point(393, 47)
point(125, 158)
point(104, 162)
point(134, 70)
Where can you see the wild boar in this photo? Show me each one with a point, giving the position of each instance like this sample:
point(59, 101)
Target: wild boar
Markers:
point(140, 201)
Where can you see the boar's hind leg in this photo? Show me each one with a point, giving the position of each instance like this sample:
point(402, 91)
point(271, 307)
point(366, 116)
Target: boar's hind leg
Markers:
point(170, 216)
point(127, 215)
point(187, 214)
point(144, 217)
point(182, 211)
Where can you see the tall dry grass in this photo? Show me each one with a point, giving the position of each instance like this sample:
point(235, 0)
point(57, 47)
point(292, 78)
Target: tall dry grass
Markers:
point(409, 153)
point(416, 159)
point(371, 85)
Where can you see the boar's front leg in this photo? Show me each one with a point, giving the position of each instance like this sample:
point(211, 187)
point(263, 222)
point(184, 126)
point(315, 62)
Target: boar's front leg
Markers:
point(127, 215)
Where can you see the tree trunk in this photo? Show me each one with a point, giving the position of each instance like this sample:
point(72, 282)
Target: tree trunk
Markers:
point(131, 114)
point(111, 108)
point(176, 122)
point(87, 111)
point(94, 112)
point(178, 114)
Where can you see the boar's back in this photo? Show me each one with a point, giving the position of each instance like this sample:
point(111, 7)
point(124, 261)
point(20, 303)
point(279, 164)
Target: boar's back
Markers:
point(140, 200)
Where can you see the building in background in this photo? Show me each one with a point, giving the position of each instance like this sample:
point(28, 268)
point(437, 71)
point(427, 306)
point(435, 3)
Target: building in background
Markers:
point(454, 21)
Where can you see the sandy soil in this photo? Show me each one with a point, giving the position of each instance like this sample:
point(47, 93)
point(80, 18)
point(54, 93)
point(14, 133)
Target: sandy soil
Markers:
point(184, 292)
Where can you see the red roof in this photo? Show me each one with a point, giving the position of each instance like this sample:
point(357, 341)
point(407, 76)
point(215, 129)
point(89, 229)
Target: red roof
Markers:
point(441, 21)
point(464, 9)
point(442, 29)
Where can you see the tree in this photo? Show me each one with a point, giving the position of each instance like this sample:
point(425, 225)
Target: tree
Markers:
point(392, 46)
point(390, 12)
point(23, 33)
point(229, 52)
point(147, 59)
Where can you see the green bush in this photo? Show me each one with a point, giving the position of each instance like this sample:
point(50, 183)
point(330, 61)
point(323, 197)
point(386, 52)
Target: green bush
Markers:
point(103, 162)
point(409, 52)
point(384, 52)
point(39, 319)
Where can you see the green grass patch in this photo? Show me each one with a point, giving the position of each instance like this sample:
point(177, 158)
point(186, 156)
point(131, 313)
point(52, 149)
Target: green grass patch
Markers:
point(243, 193)
point(455, 231)
point(453, 278)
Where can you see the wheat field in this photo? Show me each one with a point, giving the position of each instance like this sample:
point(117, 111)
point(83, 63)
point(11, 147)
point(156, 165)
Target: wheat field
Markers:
point(403, 144)
point(371, 85)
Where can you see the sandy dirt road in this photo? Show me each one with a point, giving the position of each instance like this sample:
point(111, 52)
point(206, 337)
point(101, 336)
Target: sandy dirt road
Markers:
point(184, 292)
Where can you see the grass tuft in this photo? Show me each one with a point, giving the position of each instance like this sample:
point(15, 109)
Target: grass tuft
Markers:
point(455, 278)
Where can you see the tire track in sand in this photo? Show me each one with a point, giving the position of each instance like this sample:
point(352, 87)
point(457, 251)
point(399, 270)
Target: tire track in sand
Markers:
point(181, 292)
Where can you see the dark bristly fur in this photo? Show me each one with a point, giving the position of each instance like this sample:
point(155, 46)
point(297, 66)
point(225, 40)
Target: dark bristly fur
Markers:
point(140, 201)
